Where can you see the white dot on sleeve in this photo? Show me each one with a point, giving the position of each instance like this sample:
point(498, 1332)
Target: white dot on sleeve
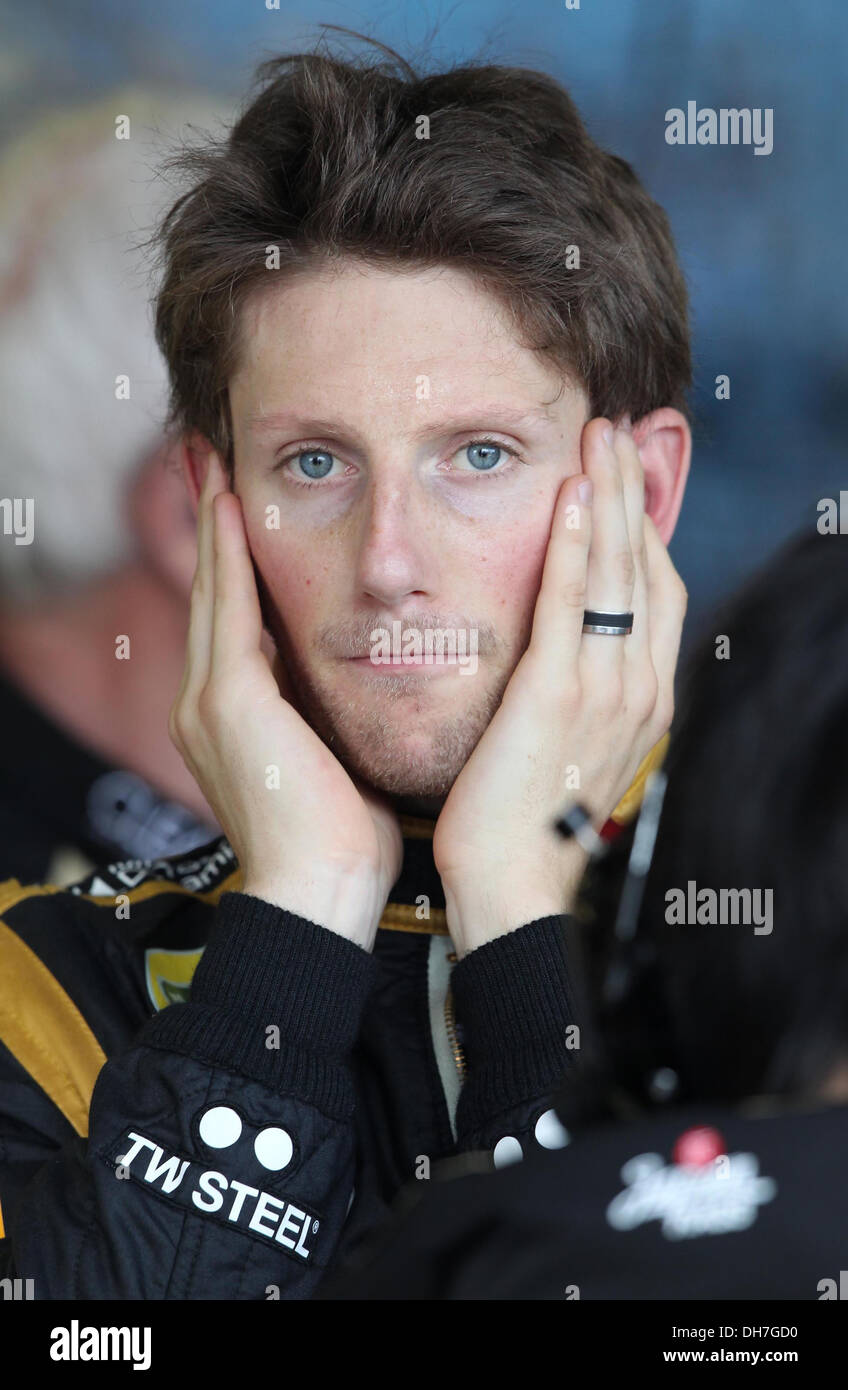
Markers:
point(550, 1131)
point(507, 1151)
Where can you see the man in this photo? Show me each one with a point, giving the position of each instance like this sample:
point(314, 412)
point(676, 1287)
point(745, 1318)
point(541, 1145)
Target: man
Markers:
point(93, 577)
point(396, 363)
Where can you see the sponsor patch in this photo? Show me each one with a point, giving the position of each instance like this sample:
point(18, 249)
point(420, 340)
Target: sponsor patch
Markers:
point(705, 1191)
point(198, 1187)
point(193, 873)
point(169, 974)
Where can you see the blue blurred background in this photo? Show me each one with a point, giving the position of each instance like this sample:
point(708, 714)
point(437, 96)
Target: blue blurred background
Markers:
point(761, 239)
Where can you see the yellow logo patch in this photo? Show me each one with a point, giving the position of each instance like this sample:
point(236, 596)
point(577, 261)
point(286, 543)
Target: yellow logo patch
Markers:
point(169, 975)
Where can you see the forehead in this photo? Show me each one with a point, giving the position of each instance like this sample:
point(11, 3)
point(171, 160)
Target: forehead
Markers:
point(355, 336)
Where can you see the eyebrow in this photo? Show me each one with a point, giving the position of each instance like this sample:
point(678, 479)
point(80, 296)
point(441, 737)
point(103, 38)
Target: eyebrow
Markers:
point(469, 419)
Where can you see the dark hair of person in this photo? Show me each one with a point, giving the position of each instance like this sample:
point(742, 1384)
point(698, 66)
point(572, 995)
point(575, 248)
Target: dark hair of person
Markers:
point(756, 798)
point(328, 160)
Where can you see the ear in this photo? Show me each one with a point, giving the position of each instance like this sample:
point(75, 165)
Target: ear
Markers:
point(194, 451)
point(664, 441)
point(162, 518)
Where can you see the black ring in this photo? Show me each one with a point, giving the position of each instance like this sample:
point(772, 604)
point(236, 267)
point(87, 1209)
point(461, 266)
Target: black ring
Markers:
point(619, 620)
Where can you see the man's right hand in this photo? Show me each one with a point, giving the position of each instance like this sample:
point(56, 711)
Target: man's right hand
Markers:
point(318, 845)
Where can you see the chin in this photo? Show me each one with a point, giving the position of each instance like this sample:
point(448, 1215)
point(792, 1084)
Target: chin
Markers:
point(402, 752)
point(403, 766)
point(408, 778)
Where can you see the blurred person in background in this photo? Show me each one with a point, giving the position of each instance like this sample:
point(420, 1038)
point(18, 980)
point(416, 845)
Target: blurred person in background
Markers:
point(97, 541)
point(701, 1135)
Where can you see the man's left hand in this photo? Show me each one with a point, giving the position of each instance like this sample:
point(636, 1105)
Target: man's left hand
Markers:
point(580, 711)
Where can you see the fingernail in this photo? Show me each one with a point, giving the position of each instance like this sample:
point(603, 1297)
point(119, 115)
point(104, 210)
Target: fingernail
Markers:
point(584, 491)
point(608, 435)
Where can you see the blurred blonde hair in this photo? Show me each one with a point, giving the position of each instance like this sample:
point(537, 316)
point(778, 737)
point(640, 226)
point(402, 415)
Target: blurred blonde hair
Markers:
point(76, 205)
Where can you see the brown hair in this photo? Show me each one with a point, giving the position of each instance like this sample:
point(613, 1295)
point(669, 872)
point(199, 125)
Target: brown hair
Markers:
point(326, 160)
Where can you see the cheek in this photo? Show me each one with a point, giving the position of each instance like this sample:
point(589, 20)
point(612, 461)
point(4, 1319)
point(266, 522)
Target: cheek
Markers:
point(293, 575)
point(507, 573)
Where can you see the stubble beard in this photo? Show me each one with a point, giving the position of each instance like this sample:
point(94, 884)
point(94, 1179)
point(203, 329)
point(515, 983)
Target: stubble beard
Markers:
point(389, 738)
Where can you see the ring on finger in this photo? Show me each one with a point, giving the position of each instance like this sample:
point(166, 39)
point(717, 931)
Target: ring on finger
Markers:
point(607, 624)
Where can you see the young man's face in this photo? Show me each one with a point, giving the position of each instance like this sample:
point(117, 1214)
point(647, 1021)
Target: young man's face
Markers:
point(356, 408)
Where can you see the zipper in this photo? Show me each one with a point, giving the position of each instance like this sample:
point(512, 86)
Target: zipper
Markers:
point(450, 1026)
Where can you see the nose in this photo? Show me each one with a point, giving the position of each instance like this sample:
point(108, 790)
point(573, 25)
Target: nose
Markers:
point(396, 557)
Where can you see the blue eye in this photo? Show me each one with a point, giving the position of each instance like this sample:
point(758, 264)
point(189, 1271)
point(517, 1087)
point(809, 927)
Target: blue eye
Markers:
point(315, 463)
point(483, 456)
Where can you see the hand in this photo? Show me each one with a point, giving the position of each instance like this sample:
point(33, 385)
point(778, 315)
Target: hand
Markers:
point(576, 700)
point(318, 844)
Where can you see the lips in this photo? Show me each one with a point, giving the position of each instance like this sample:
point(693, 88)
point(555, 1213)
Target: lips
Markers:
point(394, 661)
point(397, 665)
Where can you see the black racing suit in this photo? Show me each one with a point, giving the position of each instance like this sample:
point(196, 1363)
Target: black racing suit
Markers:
point(617, 1213)
point(203, 1096)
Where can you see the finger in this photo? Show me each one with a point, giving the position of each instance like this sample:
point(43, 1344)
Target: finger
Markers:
point(237, 617)
point(667, 599)
point(633, 483)
point(561, 601)
point(199, 639)
point(611, 575)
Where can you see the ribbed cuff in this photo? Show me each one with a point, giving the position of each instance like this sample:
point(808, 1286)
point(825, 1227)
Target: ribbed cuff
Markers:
point(514, 1001)
point(264, 966)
